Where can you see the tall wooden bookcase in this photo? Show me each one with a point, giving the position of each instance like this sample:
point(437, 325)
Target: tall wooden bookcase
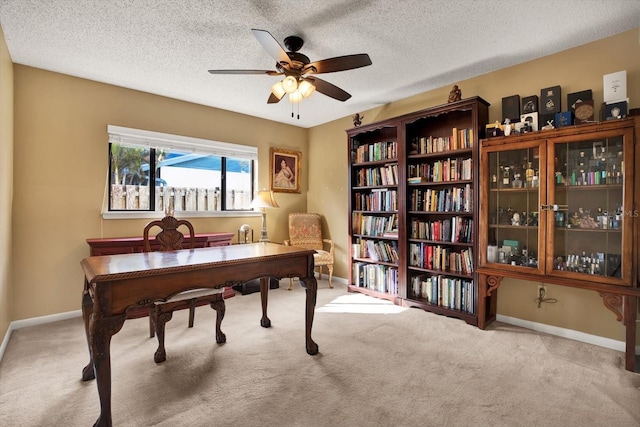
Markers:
point(413, 203)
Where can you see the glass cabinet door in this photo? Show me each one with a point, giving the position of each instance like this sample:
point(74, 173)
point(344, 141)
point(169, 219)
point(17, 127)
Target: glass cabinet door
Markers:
point(516, 188)
point(587, 203)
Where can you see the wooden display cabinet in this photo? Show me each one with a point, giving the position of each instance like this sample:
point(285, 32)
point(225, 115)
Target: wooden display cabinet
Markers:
point(559, 207)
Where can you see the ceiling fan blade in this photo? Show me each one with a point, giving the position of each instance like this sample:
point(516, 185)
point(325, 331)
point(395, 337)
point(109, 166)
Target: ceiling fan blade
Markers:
point(267, 72)
point(328, 89)
point(271, 45)
point(273, 99)
point(339, 63)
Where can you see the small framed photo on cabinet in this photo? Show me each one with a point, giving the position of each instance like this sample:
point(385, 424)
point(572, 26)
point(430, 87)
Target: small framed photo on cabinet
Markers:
point(529, 104)
point(550, 100)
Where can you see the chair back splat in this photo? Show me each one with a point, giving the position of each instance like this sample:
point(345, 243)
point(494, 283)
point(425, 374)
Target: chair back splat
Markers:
point(171, 239)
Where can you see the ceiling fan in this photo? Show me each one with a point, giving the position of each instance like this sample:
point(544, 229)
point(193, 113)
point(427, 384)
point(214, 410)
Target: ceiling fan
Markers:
point(299, 71)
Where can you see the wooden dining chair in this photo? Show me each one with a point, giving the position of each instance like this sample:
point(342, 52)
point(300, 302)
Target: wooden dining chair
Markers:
point(169, 238)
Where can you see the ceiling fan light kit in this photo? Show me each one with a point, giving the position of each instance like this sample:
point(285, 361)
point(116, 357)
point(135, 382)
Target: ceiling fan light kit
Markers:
point(297, 69)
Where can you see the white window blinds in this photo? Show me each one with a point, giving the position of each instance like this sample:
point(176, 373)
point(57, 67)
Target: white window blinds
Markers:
point(149, 139)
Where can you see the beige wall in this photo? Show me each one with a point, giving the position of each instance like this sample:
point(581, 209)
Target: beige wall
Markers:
point(574, 70)
point(61, 167)
point(6, 183)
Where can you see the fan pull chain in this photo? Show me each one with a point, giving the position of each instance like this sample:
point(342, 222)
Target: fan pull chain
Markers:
point(292, 113)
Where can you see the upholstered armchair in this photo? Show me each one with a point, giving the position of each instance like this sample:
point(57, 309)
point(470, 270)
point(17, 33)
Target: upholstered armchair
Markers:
point(305, 231)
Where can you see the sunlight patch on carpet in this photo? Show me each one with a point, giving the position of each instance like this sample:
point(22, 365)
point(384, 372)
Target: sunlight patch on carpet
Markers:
point(360, 303)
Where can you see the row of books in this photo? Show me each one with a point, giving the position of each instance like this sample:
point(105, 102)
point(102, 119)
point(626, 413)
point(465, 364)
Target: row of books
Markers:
point(380, 278)
point(450, 292)
point(376, 200)
point(383, 175)
point(458, 140)
point(456, 230)
point(443, 170)
point(452, 199)
point(441, 258)
point(372, 225)
point(378, 250)
point(383, 150)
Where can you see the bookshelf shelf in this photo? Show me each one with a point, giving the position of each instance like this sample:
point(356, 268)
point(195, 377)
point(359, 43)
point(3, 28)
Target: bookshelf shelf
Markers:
point(430, 174)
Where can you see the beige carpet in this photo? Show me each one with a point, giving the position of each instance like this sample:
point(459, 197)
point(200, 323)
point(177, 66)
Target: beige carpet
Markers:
point(379, 365)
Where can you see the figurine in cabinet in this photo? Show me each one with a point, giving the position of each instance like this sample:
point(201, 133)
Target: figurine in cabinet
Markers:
point(515, 219)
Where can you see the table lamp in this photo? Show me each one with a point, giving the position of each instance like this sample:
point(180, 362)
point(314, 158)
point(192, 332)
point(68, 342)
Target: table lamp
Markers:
point(264, 200)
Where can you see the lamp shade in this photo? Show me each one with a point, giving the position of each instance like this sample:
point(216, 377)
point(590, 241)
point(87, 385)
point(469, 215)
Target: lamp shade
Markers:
point(278, 90)
point(290, 84)
point(306, 88)
point(264, 199)
point(295, 97)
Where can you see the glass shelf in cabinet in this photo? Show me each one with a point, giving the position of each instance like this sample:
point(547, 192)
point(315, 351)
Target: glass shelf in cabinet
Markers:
point(596, 187)
point(514, 190)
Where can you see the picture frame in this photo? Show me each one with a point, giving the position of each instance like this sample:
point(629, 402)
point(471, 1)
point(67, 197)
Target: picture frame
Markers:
point(284, 170)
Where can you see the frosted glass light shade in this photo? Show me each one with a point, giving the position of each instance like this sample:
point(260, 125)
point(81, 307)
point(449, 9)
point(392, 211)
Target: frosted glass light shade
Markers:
point(306, 88)
point(295, 97)
point(278, 90)
point(290, 84)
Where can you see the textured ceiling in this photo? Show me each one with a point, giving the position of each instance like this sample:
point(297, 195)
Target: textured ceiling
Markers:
point(165, 47)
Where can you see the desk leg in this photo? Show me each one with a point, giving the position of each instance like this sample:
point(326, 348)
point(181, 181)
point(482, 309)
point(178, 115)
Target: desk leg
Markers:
point(87, 309)
point(311, 288)
point(265, 322)
point(101, 329)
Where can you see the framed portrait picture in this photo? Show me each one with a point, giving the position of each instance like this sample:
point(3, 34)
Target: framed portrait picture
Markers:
point(284, 170)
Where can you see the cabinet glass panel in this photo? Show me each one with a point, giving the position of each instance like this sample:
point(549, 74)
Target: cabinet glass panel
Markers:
point(588, 206)
point(514, 200)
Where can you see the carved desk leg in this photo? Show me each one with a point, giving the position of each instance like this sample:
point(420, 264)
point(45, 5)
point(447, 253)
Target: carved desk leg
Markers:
point(87, 310)
point(101, 329)
point(311, 288)
point(265, 322)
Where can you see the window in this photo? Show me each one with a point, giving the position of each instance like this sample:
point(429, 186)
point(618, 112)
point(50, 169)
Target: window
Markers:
point(151, 171)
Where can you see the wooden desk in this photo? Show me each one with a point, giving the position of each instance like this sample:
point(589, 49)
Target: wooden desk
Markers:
point(130, 245)
point(117, 283)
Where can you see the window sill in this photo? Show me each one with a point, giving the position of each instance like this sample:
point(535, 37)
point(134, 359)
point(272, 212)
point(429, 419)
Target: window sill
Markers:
point(179, 214)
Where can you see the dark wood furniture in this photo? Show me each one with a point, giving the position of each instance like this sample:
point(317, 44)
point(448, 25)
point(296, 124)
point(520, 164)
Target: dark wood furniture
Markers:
point(413, 200)
point(170, 238)
point(129, 245)
point(575, 193)
point(115, 284)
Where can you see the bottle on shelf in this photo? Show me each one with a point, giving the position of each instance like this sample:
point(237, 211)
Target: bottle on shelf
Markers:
point(529, 174)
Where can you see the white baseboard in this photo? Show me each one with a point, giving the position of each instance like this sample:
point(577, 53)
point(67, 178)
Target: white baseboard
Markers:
point(18, 324)
point(540, 327)
point(567, 333)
